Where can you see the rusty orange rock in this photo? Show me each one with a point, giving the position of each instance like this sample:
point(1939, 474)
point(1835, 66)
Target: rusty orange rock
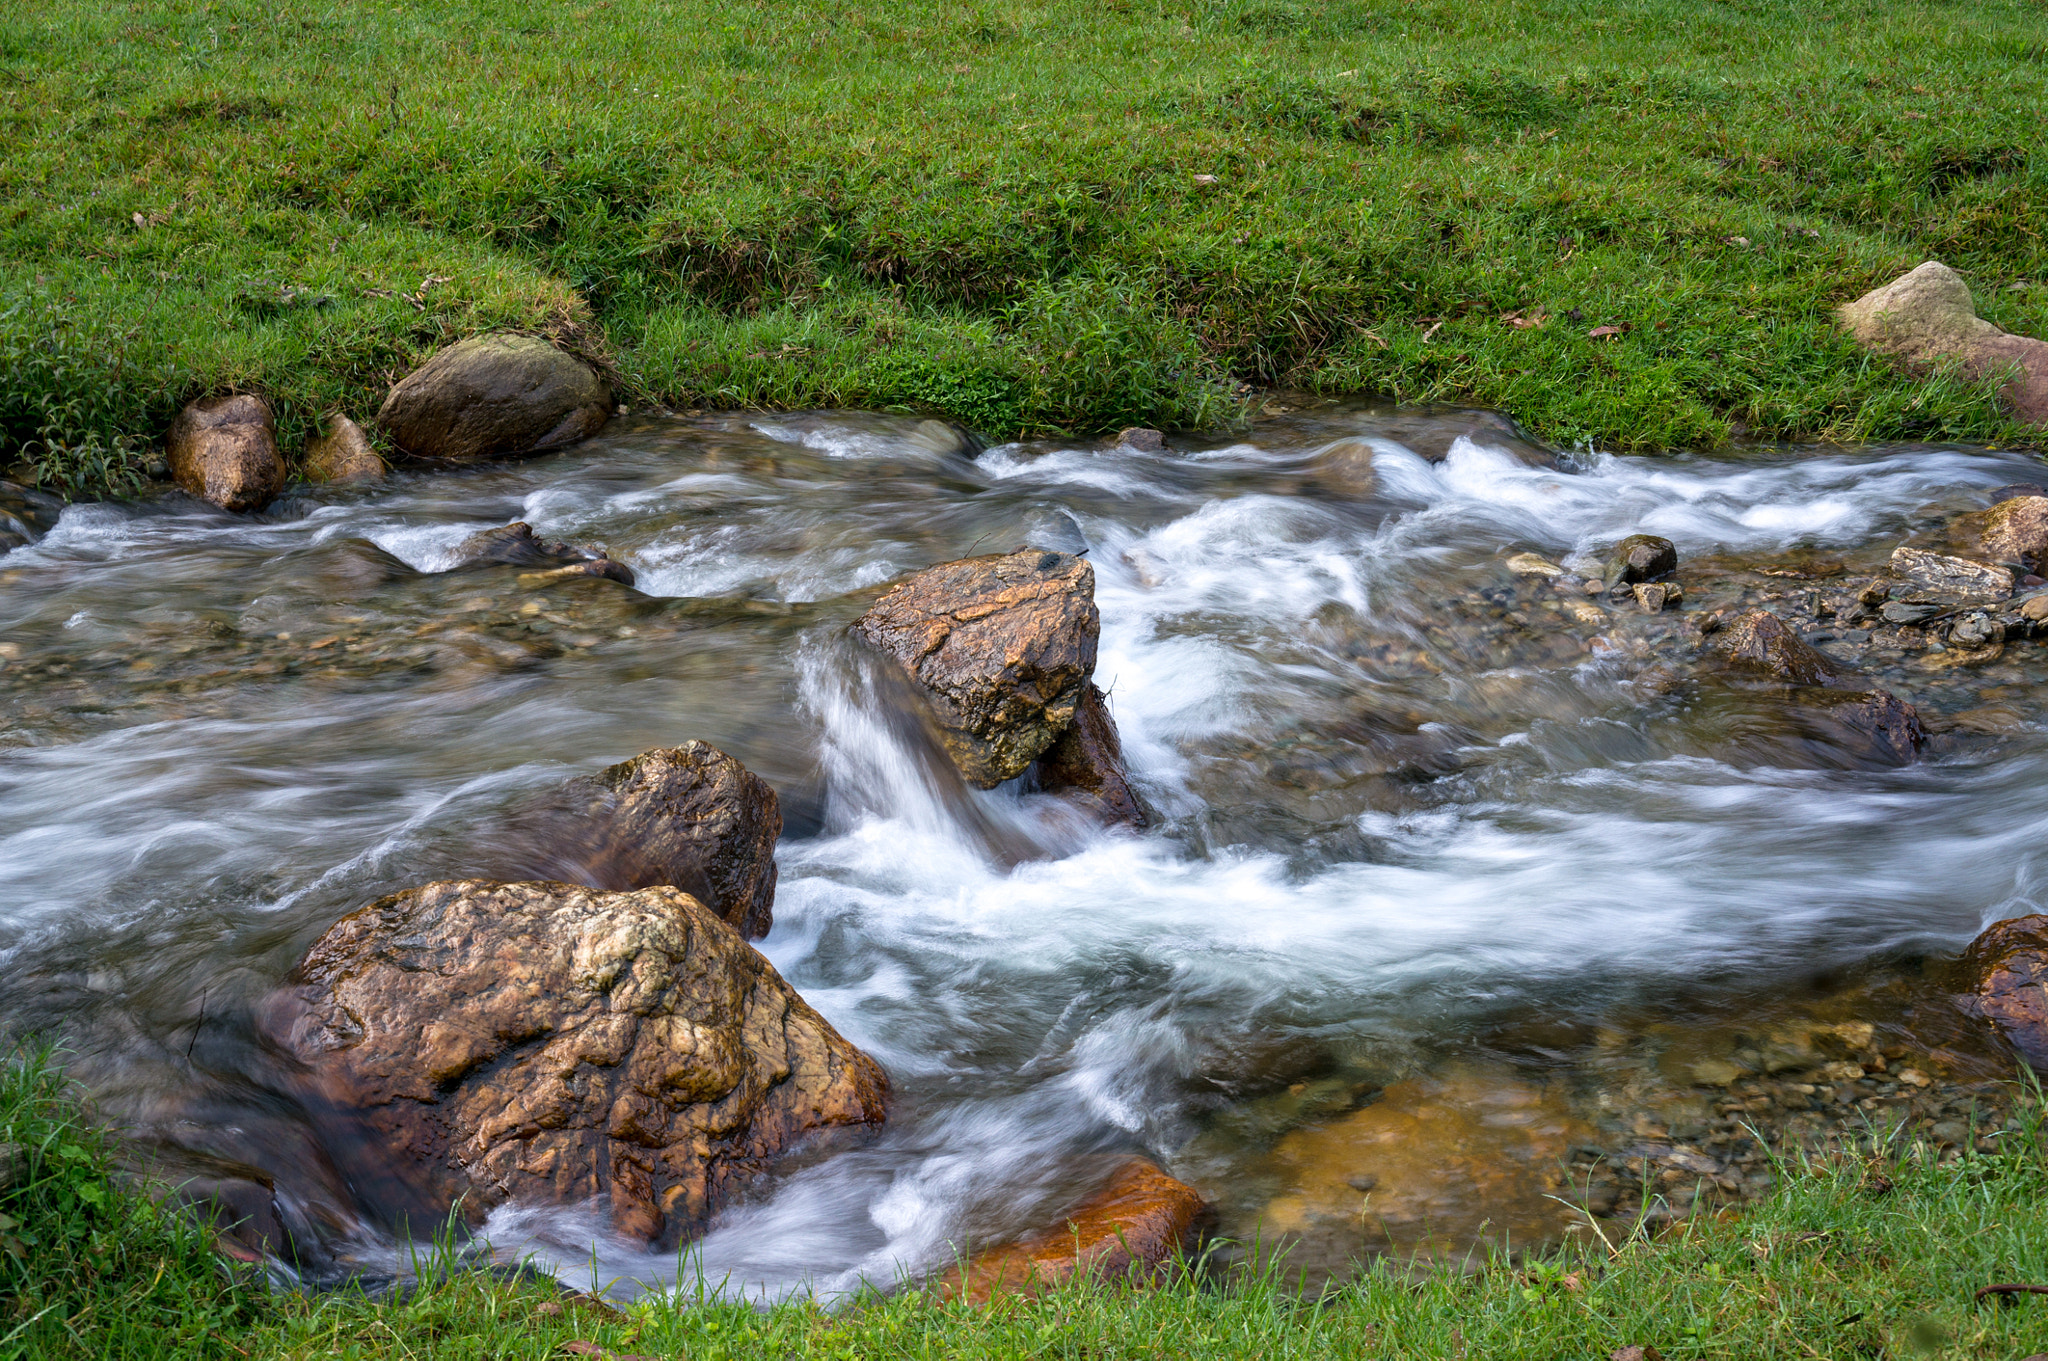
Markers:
point(2005, 971)
point(1002, 646)
point(1130, 1227)
point(560, 1044)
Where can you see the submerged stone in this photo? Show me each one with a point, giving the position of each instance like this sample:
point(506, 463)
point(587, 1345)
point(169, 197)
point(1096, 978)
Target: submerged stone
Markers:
point(2005, 973)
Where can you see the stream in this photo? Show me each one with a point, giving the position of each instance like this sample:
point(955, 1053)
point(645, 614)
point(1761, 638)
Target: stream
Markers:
point(1418, 847)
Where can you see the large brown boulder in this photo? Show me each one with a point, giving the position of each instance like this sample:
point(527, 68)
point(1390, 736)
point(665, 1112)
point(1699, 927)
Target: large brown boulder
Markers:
point(2005, 977)
point(494, 395)
point(225, 450)
point(1926, 316)
point(1002, 646)
point(1087, 765)
point(690, 817)
point(556, 1044)
point(1129, 1228)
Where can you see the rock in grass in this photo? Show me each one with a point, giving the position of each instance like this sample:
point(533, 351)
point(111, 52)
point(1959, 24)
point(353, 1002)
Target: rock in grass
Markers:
point(2016, 532)
point(690, 817)
point(342, 454)
point(494, 395)
point(225, 450)
point(1002, 646)
point(561, 1045)
point(1926, 316)
point(2005, 981)
point(1131, 1227)
point(1087, 765)
point(1640, 557)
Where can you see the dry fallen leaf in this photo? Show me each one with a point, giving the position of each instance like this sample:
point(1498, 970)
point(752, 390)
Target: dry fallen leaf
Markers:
point(1636, 1354)
point(1602, 332)
point(1205, 179)
point(1526, 323)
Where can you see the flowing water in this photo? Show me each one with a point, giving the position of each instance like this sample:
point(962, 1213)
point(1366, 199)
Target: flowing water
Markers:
point(1395, 858)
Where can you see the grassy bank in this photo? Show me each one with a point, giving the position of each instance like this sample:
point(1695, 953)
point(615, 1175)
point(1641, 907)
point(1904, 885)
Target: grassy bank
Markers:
point(1869, 1256)
point(1031, 216)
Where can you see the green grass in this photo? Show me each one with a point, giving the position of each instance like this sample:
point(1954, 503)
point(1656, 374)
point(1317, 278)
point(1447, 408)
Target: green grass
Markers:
point(1871, 1254)
point(999, 210)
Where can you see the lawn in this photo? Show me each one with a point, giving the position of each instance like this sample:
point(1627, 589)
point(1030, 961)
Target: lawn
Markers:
point(1033, 217)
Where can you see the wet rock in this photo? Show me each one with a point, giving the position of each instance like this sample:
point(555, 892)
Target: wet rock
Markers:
point(1935, 578)
point(1530, 565)
point(1974, 630)
point(1002, 647)
point(1443, 1155)
point(1131, 1227)
point(1141, 439)
point(690, 817)
point(2035, 610)
point(2012, 489)
point(1905, 612)
point(1760, 643)
point(516, 545)
point(225, 451)
point(1882, 727)
point(603, 569)
point(1640, 557)
point(1654, 597)
point(241, 1210)
point(1342, 470)
point(1087, 763)
point(2005, 974)
point(2016, 532)
point(493, 395)
point(25, 515)
point(342, 454)
point(1432, 434)
point(1926, 316)
point(557, 1044)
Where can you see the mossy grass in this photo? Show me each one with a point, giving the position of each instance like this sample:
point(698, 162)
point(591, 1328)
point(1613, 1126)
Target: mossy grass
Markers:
point(1878, 1251)
point(1031, 216)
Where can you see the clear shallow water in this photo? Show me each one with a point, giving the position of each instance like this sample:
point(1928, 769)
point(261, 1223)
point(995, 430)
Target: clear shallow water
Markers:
point(1381, 831)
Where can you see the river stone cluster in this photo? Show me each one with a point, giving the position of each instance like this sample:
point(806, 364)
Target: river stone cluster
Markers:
point(550, 1041)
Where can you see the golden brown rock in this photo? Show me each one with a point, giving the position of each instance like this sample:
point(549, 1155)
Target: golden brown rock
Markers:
point(553, 1043)
point(2006, 972)
point(1002, 647)
point(493, 395)
point(342, 454)
point(1426, 1166)
point(1087, 764)
point(2016, 532)
point(690, 817)
point(1136, 1223)
point(225, 450)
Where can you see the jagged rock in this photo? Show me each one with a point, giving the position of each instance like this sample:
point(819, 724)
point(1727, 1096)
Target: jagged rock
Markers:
point(1639, 557)
point(1142, 440)
point(1926, 316)
point(516, 545)
point(1002, 647)
point(1130, 1228)
point(1087, 763)
point(690, 817)
point(1654, 597)
point(343, 454)
point(1760, 643)
point(225, 450)
point(1934, 578)
point(493, 395)
point(2016, 532)
point(557, 1044)
point(2005, 972)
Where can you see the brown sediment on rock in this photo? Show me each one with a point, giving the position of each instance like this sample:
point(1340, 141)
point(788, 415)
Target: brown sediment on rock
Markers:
point(1087, 764)
point(557, 1044)
point(1127, 1230)
point(1002, 648)
point(225, 451)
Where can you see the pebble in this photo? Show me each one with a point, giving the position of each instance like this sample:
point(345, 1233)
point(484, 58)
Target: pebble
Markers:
point(1530, 565)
